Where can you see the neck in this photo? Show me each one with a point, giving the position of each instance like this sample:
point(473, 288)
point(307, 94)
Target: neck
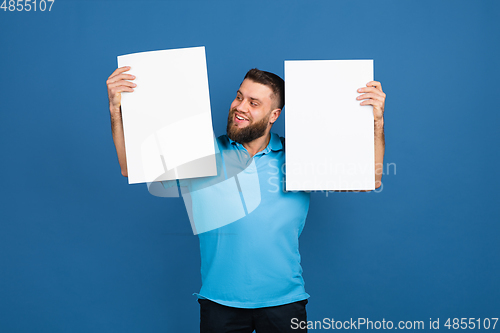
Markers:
point(257, 145)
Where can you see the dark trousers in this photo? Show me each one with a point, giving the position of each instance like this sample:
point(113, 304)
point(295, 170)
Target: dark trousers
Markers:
point(217, 318)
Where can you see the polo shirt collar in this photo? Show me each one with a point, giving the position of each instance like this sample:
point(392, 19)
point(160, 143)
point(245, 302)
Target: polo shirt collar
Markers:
point(274, 144)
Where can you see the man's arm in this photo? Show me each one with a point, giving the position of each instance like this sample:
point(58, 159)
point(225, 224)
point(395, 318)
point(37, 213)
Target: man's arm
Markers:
point(379, 152)
point(373, 95)
point(117, 82)
point(119, 139)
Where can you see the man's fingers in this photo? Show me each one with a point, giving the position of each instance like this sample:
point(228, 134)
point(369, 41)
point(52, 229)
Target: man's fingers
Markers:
point(373, 102)
point(123, 88)
point(375, 96)
point(119, 70)
point(118, 89)
point(375, 84)
point(119, 77)
point(121, 83)
point(371, 90)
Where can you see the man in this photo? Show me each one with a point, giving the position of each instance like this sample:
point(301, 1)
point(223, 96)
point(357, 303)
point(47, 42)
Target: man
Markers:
point(251, 273)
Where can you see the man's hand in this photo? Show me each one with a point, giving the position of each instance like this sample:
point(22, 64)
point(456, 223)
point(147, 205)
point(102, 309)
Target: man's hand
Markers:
point(117, 83)
point(373, 95)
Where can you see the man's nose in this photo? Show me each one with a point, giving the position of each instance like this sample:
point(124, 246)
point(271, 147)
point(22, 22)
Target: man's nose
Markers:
point(242, 107)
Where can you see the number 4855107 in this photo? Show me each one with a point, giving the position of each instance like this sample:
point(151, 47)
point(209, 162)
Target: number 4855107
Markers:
point(27, 5)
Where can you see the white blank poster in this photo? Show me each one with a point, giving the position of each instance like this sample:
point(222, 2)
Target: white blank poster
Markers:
point(329, 136)
point(167, 120)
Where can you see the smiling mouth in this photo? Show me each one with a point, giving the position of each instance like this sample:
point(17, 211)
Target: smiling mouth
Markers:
point(239, 118)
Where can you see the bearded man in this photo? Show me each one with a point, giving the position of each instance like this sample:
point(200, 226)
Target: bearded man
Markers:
point(251, 272)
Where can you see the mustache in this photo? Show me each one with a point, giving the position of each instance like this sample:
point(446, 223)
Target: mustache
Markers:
point(233, 111)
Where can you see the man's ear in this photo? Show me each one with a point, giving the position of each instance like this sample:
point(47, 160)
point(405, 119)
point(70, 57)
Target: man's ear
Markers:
point(274, 115)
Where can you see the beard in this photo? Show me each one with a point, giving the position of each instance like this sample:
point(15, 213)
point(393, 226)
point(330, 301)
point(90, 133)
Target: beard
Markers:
point(248, 133)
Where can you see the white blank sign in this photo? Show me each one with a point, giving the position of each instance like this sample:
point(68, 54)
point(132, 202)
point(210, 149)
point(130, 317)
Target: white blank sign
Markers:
point(167, 120)
point(329, 135)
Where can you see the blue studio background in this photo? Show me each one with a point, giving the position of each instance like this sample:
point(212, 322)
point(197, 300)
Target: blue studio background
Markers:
point(83, 251)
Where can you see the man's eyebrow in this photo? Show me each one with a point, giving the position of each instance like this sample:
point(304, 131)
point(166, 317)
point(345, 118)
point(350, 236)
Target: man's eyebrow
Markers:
point(252, 98)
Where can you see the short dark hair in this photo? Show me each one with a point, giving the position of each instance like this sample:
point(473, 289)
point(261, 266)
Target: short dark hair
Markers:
point(271, 80)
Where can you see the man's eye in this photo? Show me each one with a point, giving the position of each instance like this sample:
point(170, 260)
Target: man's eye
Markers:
point(254, 104)
point(238, 98)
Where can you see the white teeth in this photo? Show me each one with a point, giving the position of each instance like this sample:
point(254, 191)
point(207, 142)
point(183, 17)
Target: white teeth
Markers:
point(240, 117)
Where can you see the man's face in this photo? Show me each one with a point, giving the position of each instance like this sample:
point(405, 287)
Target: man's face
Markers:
point(252, 112)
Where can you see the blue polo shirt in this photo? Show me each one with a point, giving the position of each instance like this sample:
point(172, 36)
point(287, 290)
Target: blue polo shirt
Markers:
point(253, 261)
